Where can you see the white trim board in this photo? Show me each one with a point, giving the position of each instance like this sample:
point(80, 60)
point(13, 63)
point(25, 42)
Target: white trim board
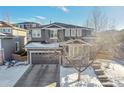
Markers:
point(60, 27)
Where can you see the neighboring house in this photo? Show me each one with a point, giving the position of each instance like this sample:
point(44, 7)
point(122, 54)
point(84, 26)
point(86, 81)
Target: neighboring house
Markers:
point(7, 47)
point(57, 32)
point(19, 34)
point(46, 39)
point(27, 25)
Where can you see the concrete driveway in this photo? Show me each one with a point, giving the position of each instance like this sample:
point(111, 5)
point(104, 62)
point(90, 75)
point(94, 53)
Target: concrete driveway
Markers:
point(40, 75)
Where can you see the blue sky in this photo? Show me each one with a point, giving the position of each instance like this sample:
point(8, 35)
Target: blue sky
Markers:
point(68, 14)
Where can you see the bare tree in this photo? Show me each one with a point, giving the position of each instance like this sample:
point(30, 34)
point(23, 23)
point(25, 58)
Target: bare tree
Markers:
point(97, 20)
point(80, 61)
point(6, 16)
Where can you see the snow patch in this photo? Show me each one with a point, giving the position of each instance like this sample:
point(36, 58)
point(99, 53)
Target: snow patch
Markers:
point(115, 71)
point(9, 76)
point(68, 78)
point(43, 46)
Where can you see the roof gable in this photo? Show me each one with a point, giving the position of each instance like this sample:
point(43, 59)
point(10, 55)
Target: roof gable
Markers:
point(67, 25)
point(4, 24)
point(52, 26)
point(74, 41)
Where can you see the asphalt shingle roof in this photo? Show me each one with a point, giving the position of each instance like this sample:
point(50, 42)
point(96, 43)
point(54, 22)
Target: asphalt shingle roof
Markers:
point(4, 24)
point(66, 25)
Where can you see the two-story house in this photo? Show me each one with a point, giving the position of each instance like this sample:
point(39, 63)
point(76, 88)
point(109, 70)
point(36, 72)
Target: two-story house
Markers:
point(48, 37)
point(11, 39)
point(27, 25)
point(58, 32)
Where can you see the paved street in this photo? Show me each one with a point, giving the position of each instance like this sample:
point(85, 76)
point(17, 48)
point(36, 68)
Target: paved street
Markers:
point(40, 75)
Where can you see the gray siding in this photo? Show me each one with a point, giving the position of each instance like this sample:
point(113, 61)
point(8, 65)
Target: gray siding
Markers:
point(45, 35)
point(61, 35)
point(84, 34)
point(9, 47)
point(21, 41)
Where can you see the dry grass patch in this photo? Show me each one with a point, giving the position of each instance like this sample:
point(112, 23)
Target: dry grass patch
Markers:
point(104, 55)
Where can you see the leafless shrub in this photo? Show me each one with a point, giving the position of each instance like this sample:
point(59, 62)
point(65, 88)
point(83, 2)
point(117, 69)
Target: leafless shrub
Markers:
point(81, 62)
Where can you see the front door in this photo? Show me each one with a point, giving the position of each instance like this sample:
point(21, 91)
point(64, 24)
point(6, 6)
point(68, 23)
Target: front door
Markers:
point(54, 34)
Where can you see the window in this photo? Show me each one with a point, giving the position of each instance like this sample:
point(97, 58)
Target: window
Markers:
point(36, 33)
point(8, 30)
point(4, 31)
point(79, 32)
point(33, 25)
point(76, 50)
point(17, 46)
point(21, 26)
point(67, 33)
point(73, 32)
point(53, 34)
point(0, 30)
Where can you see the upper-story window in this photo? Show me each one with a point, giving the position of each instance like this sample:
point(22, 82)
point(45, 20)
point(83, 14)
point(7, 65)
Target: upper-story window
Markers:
point(21, 26)
point(8, 30)
point(36, 33)
point(5, 30)
point(73, 32)
point(33, 25)
point(0, 30)
point(79, 32)
point(67, 33)
point(53, 34)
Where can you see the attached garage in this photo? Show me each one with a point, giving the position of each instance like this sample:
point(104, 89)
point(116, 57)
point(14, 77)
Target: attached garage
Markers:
point(43, 53)
point(44, 58)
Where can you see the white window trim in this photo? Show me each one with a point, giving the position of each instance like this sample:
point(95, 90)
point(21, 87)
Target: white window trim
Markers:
point(36, 32)
point(73, 32)
point(54, 31)
point(72, 47)
point(79, 32)
point(67, 33)
point(6, 30)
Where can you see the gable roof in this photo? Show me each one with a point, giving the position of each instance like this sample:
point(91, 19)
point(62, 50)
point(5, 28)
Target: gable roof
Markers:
point(67, 25)
point(4, 24)
point(39, 45)
point(63, 25)
point(29, 23)
point(74, 41)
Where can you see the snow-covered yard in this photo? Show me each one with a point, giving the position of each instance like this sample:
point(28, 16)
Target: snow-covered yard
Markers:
point(114, 70)
point(9, 76)
point(68, 77)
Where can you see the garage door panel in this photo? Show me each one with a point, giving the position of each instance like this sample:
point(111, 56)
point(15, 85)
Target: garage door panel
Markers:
point(42, 58)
